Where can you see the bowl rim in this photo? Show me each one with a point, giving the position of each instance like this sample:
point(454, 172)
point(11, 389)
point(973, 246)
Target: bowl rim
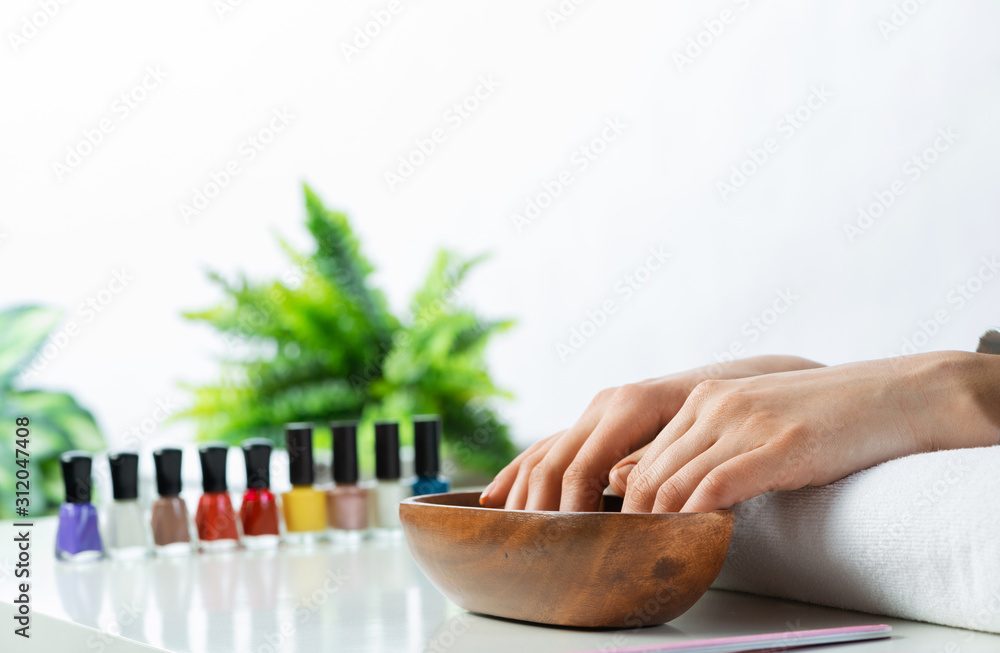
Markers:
point(420, 501)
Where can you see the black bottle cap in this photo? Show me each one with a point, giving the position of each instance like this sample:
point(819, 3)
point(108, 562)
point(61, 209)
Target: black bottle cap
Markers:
point(386, 451)
point(345, 452)
point(257, 454)
point(426, 443)
point(213, 466)
point(76, 476)
point(299, 442)
point(168, 471)
point(124, 475)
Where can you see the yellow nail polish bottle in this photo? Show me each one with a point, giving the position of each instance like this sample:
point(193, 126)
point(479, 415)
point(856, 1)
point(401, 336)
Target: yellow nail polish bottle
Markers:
point(304, 506)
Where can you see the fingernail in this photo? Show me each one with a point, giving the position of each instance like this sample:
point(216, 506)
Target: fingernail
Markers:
point(621, 474)
point(486, 493)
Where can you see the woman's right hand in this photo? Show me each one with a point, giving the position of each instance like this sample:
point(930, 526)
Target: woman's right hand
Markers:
point(569, 470)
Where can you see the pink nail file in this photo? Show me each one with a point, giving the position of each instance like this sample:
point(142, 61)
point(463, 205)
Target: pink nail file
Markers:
point(765, 642)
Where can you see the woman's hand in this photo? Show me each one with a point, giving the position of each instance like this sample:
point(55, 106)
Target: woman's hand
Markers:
point(733, 440)
point(569, 470)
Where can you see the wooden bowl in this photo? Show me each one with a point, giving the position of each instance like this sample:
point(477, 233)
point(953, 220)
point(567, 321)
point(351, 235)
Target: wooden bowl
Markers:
point(587, 569)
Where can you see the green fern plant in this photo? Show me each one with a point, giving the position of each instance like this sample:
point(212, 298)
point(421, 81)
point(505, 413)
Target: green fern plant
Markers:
point(321, 343)
point(57, 423)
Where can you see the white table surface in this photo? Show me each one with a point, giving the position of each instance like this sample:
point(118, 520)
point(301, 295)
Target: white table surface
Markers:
point(370, 597)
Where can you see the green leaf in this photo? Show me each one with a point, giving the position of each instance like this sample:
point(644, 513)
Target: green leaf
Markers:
point(320, 343)
point(23, 329)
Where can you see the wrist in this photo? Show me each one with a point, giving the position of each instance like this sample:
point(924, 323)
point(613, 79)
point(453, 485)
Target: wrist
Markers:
point(971, 413)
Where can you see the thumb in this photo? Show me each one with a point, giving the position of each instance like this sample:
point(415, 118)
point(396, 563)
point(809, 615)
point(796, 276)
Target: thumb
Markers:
point(618, 477)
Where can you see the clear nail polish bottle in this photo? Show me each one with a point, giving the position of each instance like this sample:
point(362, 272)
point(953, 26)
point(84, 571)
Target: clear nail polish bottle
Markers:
point(127, 533)
point(427, 456)
point(78, 538)
point(346, 501)
point(389, 490)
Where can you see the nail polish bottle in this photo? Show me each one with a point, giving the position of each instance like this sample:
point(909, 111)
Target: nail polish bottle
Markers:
point(304, 506)
point(384, 498)
point(427, 457)
point(78, 538)
point(346, 501)
point(259, 510)
point(170, 521)
point(215, 517)
point(127, 533)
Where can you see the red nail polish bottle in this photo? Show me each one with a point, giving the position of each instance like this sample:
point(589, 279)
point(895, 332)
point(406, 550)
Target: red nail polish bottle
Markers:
point(259, 510)
point(215, 518)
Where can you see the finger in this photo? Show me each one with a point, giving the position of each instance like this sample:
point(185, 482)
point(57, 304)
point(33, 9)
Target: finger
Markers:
point(618, 477)
point(650, 474)
point(546, 478)
point(496, 492)
point(544, 484)
point(518, 495)
point(678, 426)
point(740, 478)
point(632, 420)
point(675, 491)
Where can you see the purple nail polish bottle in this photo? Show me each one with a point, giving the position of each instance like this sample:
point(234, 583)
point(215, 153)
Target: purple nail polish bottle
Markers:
point(78, 538)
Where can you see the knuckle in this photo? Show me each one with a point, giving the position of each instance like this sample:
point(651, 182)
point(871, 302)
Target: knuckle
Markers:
point(706, 388)
point(667, 493)
point(606, 393)
point(733, 403)
point(716, 485)
point(575, 475)
point(628, 393)
point(641, 486)
point(602, 398)
point(541, 472)
point(532, 461)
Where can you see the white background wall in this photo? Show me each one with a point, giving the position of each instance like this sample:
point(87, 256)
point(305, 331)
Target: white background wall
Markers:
point(655, 186)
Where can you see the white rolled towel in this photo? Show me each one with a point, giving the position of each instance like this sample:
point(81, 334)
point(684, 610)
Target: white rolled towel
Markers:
point(916, 538)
